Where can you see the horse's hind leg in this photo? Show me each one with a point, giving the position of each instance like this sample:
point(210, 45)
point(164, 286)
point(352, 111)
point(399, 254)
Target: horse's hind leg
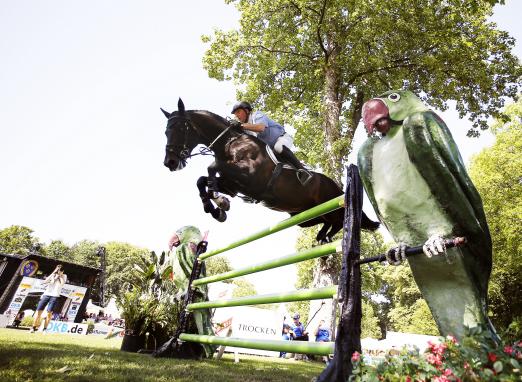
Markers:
point(335, 227)
point(321, 235)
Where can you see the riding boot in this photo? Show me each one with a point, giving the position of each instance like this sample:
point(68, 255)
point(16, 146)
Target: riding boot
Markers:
point(303, 174)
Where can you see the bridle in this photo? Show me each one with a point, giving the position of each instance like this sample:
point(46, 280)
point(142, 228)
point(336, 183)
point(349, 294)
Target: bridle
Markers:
point(184, 149)
point(181, 151)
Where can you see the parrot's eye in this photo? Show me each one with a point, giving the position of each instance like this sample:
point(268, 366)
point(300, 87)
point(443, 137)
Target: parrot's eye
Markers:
point(394, 97)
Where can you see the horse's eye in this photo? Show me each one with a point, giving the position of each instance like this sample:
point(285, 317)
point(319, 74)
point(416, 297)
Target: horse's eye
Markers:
point(394, 97)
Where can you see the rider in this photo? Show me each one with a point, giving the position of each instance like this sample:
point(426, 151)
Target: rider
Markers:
point(273, 134)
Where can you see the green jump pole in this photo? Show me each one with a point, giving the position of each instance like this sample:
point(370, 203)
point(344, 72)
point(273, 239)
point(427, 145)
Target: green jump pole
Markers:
point(297, 295)
point(321, 250)
point(313, 212)
point(303, 347)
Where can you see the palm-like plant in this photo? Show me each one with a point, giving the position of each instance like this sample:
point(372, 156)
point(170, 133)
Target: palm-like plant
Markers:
point(150, 305)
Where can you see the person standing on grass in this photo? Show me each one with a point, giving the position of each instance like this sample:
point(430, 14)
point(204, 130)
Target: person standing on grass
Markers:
point(298, 333)
point(322, 334)
point(55, 281)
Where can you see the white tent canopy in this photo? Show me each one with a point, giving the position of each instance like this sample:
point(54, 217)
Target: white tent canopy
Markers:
point(111, 308)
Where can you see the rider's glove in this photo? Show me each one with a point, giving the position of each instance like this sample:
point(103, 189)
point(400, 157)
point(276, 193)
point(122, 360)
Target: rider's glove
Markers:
point(236, 125)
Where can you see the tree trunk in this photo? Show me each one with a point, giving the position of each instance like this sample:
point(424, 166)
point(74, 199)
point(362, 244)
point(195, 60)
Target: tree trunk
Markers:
point(326, 273)
point(331, 119)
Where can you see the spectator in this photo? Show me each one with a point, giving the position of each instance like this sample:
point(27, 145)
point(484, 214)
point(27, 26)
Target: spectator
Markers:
point(18, 319)
point(286, 337)
point(298, 333)
point(322, 334)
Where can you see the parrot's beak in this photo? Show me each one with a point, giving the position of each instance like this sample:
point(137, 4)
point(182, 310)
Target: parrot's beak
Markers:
point(372, 111)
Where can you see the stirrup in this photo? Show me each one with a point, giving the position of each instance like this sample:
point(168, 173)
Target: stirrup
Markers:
point(304, 176)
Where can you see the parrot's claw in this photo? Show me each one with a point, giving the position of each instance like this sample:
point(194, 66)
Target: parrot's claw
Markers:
point(434, 246)
point(397, 255)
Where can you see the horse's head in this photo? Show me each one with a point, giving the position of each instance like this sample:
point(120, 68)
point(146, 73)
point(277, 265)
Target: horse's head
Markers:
point(181, 138)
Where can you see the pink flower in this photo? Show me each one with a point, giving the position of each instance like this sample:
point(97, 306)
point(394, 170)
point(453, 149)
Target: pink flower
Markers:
point(434, 359)
point(448, 372)
point(492, 357)
point(508, 349)
point(441, 378)
point(356, 357)
point(408, 379)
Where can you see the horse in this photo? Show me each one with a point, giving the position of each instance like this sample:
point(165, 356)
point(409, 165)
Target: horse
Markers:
point(245, 168)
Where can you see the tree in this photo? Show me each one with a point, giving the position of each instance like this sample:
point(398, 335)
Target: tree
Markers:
point(497, 174)
point(120, 259)
point(57, 249)
point(84, 253)
point(313, 63)
point(243, 288)
point(216, 265)
point(17, 240)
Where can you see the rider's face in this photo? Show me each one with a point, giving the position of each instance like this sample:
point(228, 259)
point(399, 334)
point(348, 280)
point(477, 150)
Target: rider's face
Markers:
point(242, 115)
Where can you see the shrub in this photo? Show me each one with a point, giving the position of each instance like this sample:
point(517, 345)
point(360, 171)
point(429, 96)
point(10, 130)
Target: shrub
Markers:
point(27, 321)
point(476, 358)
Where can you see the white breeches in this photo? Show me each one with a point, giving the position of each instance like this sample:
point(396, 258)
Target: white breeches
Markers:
point(284, 140)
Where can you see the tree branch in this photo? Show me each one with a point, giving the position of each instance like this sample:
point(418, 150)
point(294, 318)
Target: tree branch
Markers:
point(271, 50)
point(319, 38)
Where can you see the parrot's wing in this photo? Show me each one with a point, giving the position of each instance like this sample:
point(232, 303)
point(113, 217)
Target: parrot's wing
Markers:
point(364, 162)
point(434, 153)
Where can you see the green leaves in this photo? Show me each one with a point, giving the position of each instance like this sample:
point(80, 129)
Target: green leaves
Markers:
point(17, 240)
point(496, 174)
point(307, 63)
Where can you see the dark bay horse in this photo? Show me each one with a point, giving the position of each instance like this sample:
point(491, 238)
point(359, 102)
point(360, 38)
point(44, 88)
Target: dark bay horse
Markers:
point(244, 167)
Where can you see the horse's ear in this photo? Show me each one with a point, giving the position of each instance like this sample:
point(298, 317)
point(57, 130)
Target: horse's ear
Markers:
point(181, 106)
point(167, 114)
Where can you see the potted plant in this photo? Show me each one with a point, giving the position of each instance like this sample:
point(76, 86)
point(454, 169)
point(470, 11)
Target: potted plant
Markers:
point(149, 306)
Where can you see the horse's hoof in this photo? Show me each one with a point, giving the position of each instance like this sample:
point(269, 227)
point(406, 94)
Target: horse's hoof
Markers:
point(222, 216)
point(207, 207)
point(219, 215)
point(223, 203)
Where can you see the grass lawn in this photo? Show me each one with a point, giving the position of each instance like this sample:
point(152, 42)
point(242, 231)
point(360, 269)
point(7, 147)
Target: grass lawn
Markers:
point(35, 357)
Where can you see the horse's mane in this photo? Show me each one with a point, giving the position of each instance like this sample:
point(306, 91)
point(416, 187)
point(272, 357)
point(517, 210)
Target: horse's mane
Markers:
point(211, 115)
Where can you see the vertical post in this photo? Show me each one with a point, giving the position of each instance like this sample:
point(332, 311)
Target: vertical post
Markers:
point(100, 252)
point(348, 339)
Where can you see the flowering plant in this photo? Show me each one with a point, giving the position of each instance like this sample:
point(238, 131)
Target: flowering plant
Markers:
point(476, 358)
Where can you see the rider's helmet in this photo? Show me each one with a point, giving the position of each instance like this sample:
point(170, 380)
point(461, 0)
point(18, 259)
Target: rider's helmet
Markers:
point(241, 105)
point(296, 316)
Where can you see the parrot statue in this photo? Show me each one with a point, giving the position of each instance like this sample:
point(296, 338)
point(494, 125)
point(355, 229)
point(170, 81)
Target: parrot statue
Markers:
point(183, 245)
point(417, 183)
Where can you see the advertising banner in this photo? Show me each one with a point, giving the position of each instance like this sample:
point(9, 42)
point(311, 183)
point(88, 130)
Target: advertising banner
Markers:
point(106, 330)
point(251, 323)
point(63, 327)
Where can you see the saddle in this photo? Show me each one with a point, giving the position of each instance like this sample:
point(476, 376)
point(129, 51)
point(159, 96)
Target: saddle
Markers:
point(279, 166)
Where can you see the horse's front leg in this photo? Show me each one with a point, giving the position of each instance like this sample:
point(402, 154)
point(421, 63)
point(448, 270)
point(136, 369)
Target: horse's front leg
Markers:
point(212, 181)
point(204, 195)
point(217, 213)
point(213, 188)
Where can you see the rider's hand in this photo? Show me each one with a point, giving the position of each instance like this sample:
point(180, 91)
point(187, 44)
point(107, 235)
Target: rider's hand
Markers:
point(236, 125)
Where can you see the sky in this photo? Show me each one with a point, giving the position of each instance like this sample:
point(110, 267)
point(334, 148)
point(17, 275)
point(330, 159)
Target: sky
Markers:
point(82, 136)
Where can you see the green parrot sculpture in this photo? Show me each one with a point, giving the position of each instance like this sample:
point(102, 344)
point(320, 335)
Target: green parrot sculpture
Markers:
point(186, 240)
point(417, 183)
